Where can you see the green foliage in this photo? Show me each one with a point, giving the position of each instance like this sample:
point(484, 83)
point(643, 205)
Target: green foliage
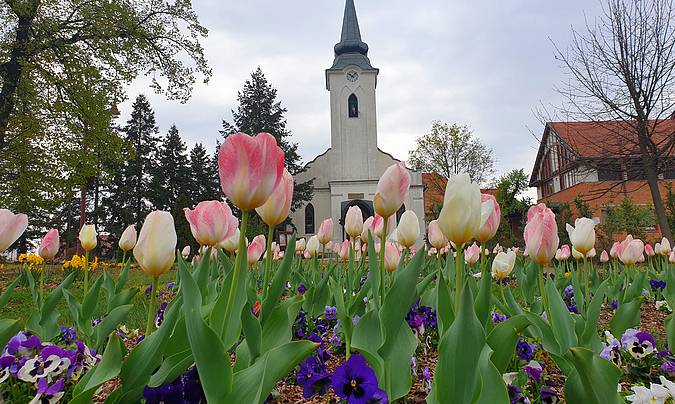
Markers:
point(670, 204)
point(450, 150)
point(170, 173)
point(514, 205)
point(627, 217)
point(204, 182)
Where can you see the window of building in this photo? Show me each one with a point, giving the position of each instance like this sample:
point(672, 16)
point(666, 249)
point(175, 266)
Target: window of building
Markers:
point(309, 219)
point(635, 170)
point(669, 172)
point(353, 106)
point(547, 188)
point(610, 172)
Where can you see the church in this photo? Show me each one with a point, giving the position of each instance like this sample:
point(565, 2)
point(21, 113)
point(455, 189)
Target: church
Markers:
point(347, 173)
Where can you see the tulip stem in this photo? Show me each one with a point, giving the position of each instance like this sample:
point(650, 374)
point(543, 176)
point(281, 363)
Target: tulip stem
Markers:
point(587, 297)
point(458, 277)
point(124, 259)
point(151, 307)
point(268, 260)
point(86, 273)
point(241, 256)
point(383, 241)
point(544, 300)
point(42, 283)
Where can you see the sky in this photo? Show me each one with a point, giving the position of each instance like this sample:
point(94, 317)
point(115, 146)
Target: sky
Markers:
point(487, 64)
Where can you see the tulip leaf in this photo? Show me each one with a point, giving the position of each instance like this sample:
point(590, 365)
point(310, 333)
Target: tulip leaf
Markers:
point(593, 380)
point(255, 382)
point(374, 270)
point(122, 298)
point(8, 328)
point(459, 350)
point(397, 380)
point(213, 363)
point(492, 387)
point(110, 322)
point(545, 333)
point(635, 289)
point(670, 329)
point(626, 316)
point(589, 337)
point(504, 338)
point(48, 313)
point(367, 335)
point(444, 310)
point(7, 293)
point(277, 286)
point(122, 278)
point(91, 300)
point(279, 328)
point(484, 298)
point(172, 367)
point(108, 368)
point(560, 319)
point(252, 334)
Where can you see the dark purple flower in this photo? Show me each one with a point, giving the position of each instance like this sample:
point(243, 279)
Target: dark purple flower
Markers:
point(515, 394)
point(668, 367)
point(573, 308)
point(68, 334)
point(148, 290)
point(355, 382)
point(657, 284)
point(664, 354)
point(548, 396)
point(320, 326)
point(426, 373)
point(525, 350)
point(159, 317)
point(355, 320)
point(302, 289)
point(330, 313)
point(313, 377)
point(169, 285)
point(615, 304)
point(568, 293)
point(498, 317)
point(533, 371)
point(185, 389)
point(336, 341)
point(48, 392)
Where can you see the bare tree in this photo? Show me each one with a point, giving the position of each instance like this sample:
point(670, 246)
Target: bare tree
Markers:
point(622, 70)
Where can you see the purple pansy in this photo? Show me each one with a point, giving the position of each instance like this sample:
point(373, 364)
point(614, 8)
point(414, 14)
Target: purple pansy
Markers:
point(355, 382)
point(533, 370)
point(313, 376)
point(330, 313)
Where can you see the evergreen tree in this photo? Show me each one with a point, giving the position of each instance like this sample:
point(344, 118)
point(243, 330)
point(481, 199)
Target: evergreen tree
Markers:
point(260, 111)
point(129, 192)
point(183, 232)
point(204, 182)
point(171, 175)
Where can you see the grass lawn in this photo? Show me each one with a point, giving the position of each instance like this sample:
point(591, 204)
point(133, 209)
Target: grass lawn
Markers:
point(20, 304)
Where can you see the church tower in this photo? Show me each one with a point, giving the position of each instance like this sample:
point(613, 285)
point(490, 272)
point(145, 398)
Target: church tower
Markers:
point(351, 81)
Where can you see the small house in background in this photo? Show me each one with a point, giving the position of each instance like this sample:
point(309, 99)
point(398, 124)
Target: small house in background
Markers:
point(598, 162)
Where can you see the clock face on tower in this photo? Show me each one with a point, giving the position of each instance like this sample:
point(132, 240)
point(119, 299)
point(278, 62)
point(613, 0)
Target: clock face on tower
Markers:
point(352, 76)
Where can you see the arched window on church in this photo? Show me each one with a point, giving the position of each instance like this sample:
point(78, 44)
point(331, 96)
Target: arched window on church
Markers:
point(309, 219)
point(353, 106)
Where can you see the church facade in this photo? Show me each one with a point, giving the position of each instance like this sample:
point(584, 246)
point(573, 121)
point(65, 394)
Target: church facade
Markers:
point(347, 173)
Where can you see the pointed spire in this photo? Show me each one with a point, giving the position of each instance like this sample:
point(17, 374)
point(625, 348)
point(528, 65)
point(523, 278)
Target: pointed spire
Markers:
point(350, 40)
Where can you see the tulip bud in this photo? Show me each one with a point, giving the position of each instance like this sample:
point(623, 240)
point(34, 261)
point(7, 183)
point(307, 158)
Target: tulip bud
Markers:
point(367, 228)
point(88, 237)
point(231, 244)
point(614, 251)
point(354, 221)
point(435, 236)
point(591, 254)
point(503, 264)
point(472, 254)
point(156, 247)
point(432, 252)
point(49, 246)
point(630, 250)
point(377, 226)
point(408, 230)
point(391, 256)
point(250, 168)
point(392, 189)
point(186, 252)
point(275, 210)
point(211, 222)
point(664, 247)
point(460, 216)
point(343, 250)
point(12, 227)
point(582, 234)
point(541, 234)
point(300, 246)
point(128, 238)
point(604, 257)
point(313, 246)
point(490, 218)
point(671, 259)
point(576, 254)
point(325, 233)
point(649, 250)
point(255, 249)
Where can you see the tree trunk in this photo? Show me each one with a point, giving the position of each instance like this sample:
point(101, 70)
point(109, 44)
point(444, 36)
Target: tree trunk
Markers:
point(83, 215)
point(12, 70)
point(649, 164)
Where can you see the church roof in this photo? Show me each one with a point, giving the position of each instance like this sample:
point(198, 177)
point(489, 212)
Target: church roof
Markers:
point(351, 50)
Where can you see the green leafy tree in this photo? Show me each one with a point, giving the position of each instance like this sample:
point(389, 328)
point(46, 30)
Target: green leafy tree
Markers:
point(514, 205)
point(204, 183)
point(670, 205)
point(450, 150)
point(260, 111)
point(626, 217)
point(129, 194)
point(171, 173)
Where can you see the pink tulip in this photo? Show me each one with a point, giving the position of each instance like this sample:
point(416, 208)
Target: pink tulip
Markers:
point(49, 246)
point(392, 256)
point(325, 233)
point(275, 210)
point(377, 226)
point(211, 222)
point(472, 254)
point(435, 236)
point(255, 249)
point(604, 257)
point(250, 168)
point(566, 252)
point(343, 250)
point(649, 250)
point(128, 238)
point(354, 221)
point(671, 258)
point(663, 247)
point(614, 251)
point(337, 247)
point(541, 234)
point(630, 250)
point(488, 230)
point(392, 189)
point(367, 228)
point(12, 227)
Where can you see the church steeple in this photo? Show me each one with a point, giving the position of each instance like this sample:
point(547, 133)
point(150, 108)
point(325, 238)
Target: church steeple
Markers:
point(351, 50)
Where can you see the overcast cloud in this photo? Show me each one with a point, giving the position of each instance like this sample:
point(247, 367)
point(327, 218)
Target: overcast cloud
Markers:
point(483, 63)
